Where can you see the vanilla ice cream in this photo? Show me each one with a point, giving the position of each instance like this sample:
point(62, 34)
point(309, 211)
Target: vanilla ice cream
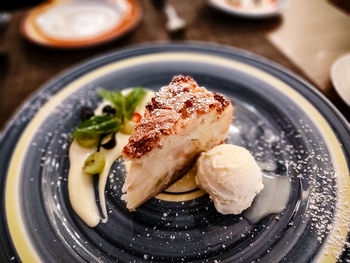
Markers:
point(231, 177)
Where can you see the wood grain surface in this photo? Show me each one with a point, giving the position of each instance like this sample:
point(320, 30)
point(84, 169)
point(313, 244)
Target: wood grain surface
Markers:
point(24, 67)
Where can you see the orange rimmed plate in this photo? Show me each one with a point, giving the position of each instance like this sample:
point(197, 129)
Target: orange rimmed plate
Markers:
point(75, 24)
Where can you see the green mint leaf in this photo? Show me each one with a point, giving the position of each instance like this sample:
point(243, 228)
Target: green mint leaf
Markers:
point(117, 99)
point(132, 100)
point(125, 105)
point(98, 125)
point(107, 95)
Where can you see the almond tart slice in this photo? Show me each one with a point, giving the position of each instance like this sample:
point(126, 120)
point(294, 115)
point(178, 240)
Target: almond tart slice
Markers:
point(181, 121)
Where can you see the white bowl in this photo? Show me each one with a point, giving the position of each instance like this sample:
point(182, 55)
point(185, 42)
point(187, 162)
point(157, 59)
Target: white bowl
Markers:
point(252, 13)
point(340, 75)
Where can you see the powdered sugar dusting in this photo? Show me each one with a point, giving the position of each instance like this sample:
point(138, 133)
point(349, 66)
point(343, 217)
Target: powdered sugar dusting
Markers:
point(297, 153)
point(305, 161)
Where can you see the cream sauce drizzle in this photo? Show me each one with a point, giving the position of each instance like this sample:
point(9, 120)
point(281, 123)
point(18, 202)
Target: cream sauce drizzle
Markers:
point(110, 156)
point(81, 185)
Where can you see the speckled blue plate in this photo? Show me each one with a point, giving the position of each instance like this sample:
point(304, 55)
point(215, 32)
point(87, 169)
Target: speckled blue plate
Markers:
point(280, 118)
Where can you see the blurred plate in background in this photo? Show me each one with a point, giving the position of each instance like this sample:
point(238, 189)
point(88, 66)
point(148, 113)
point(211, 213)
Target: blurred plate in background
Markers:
point(340, 75)
point(77, 23)
point(251, 8)
point(4, 20)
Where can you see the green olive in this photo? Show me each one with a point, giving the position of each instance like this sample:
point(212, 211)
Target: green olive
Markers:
point(128, 127)
point(87, 140)
point(95, 163)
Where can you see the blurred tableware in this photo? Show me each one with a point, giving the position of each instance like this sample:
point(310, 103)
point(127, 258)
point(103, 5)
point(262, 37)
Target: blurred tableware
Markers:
point(340, 75)
point(254, 9)
point(174, 22)
point(78, 23)
point(4, 20)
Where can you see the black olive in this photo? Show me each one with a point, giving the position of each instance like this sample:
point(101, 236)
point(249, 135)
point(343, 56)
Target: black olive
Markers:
point(86, 113)
point(109, 141)
point(109, 110)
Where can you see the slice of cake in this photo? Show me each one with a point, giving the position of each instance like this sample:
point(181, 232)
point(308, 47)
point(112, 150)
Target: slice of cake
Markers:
point(181, 121)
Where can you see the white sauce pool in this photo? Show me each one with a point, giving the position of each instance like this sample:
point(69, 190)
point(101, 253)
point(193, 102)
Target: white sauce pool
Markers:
point(81, 186)
point(272, 199)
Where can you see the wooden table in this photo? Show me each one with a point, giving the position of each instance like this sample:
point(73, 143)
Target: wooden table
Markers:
point(314, 42)
point(25, 67)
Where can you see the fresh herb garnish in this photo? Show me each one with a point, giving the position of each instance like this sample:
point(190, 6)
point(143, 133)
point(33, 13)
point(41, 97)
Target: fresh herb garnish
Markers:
point(124, 110)
point(97, 125)
point(117, 99)
point(125, 105)
point(132, 100)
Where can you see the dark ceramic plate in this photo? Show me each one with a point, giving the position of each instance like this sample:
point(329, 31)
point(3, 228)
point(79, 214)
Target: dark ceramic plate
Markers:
point(280, 118)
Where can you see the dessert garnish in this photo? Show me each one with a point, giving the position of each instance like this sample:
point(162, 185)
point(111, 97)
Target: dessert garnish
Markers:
point(115, 117)
point(97, 143)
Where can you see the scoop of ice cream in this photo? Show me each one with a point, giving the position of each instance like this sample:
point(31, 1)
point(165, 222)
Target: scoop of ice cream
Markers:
point(231, 177)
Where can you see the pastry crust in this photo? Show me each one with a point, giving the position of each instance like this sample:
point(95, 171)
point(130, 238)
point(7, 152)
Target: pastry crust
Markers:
point(181, 121)
point(174, 105)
